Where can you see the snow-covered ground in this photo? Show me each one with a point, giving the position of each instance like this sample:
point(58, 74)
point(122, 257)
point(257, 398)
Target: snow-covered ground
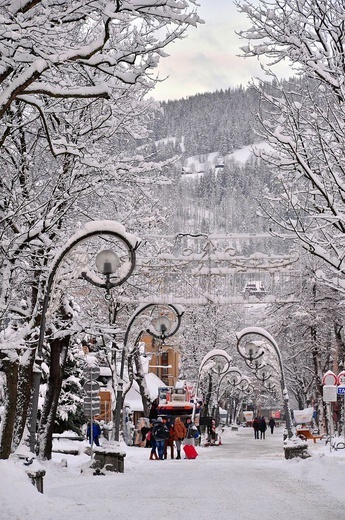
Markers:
point(195, 166)
point(243, 479)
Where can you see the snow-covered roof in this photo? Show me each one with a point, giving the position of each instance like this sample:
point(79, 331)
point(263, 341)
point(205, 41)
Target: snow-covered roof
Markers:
point(105, 371)
point(153, 383)
point(133, 398)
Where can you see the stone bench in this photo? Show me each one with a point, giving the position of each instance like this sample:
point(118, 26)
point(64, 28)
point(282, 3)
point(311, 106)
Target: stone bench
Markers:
point(36, 477)
point(61, 437)
point(292, 451)
point(33, 469)
point(58, 446)
point(109, 459)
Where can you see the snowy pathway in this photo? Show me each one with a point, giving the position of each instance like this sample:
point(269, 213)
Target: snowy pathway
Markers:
point(243, 479)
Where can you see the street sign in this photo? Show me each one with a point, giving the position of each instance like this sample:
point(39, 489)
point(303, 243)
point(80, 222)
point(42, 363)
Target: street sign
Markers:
point(329, 393)
point(91, 387)
point(91, 395)
point(341, 390)
point(92, 400)
point(329, 378)
point(92, 406)
point(91, 372)
point(341, 378)
point(92, 411)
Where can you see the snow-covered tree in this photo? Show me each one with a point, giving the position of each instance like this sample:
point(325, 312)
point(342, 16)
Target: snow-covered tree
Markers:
point(73, 77)
point(303, 119)
point(307, 330)
point(81, 51)
point(204, 329)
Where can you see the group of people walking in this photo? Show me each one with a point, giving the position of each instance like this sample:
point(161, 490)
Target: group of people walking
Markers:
point(260, 427)
point(163, 434)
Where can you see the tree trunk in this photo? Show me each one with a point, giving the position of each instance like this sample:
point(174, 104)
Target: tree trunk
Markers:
point(59, 349)
point(140, 379)
point(318, 379)
point(25, 383)
point(339, 338)
point(11, 393)
point(208, 396)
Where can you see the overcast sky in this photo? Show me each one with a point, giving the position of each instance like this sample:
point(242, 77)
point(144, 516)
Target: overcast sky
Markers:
point(207, 59)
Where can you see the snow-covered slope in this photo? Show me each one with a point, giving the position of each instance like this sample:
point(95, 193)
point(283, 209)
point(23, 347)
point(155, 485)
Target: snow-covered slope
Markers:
point(197, 165)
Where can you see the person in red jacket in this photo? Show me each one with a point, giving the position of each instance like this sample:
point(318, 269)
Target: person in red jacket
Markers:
point(180, 433)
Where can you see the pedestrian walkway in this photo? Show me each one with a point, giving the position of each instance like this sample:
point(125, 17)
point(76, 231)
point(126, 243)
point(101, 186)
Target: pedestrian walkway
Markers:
point(242, 479)
point(242, 444)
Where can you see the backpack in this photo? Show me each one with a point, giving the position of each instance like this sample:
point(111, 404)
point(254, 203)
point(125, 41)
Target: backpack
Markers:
point(161, 431)
point(165, 432)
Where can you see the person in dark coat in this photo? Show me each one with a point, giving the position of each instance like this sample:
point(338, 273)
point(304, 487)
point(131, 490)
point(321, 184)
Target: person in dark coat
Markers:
point(169, 443)
point(256, 424)
point(192, 431)
point(153, 452)
point(145, 441)
point(96, 432)
point(272, 424)
point(160, 434)
point(153, 414)
point(262, 428)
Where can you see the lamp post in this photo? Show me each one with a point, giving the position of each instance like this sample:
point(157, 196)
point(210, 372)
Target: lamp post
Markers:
point(236, 380)
point(270, 387)
point(216, 353)
point(252, 353)
point(107, 263)
point(161, 327)
point(123, 270)
point(252, 350)
point(263, 373)
point(232, 377)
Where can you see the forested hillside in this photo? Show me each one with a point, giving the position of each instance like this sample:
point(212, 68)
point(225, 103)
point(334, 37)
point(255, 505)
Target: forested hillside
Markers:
point(211, 122)
point(210, 190)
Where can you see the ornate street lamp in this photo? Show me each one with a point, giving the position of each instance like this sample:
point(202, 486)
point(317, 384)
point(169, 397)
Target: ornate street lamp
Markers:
point(232, 377)
point(254, 347)
point(252, 350)
point(221, 369)
point(238, 382)
point(270, 387)
point(161, 327)
point(263, 373)
point(221, 366)
point(108, 264)
point(244, 383)
point(252, 353)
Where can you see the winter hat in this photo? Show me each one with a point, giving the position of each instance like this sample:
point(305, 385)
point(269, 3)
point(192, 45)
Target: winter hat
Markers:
point(159, 419)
